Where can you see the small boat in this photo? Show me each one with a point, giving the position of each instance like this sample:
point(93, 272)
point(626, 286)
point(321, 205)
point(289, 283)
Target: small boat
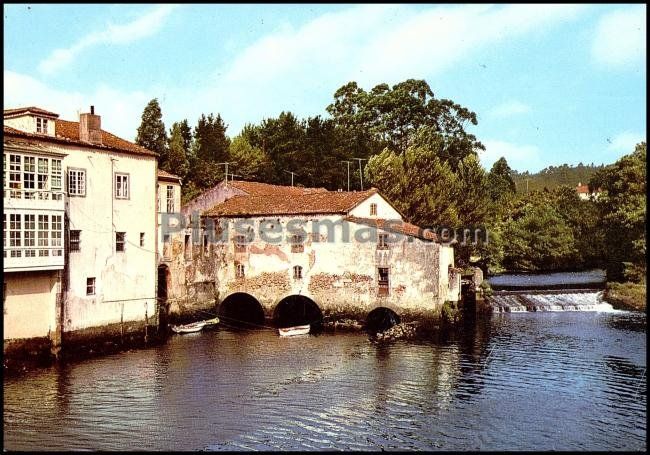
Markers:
point(194, 326)
point(296, 330)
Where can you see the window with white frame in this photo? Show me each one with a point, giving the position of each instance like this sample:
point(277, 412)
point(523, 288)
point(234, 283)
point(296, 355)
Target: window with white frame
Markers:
point(15, 174)
point(121, 186)
point(239, 270)
point(43, 234)
point(15, 234)
point(90, 286)
point(141, 238)
point(77, 182)
point(170, 199)
point(57, 232)
point(382, 243)
point(297, 272)
point(30, 235)
point(373, 209)
point(57, 173)
point(41, 125)
point(43, 174)
point(29, 176)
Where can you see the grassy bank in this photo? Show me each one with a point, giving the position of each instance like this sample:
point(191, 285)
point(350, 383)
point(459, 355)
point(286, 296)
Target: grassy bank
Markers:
point(626, 296)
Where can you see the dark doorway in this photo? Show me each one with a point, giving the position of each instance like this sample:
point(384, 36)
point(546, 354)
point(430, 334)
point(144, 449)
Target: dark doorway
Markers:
point(298, 310)
point(381, 319)
point(241, 310)
point(161, 297)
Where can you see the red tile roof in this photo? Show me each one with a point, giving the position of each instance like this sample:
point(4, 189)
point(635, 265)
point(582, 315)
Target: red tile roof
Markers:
point(68, 133)
point(164, 175)
point(263, 189)
point(25, 110)
point(397, 226)
point(279, 203)
point(583, 189)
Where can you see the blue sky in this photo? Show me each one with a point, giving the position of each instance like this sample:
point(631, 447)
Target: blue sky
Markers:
point(550, 84)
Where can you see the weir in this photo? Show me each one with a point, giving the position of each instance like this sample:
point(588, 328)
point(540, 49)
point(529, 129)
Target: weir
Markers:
point(548, 300)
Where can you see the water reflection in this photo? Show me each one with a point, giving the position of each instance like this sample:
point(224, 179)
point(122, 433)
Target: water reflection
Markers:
point(564, 381)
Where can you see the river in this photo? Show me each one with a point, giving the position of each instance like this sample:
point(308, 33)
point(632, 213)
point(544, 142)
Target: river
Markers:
point(562, 380)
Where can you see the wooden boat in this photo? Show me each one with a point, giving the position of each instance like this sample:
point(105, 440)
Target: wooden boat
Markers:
point(194, 326)
point(296, 330)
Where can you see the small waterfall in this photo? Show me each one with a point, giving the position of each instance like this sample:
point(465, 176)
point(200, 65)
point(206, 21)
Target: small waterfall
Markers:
point(545, 300)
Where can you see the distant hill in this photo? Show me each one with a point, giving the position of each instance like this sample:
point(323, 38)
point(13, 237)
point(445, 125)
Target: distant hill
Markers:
point(554, 176)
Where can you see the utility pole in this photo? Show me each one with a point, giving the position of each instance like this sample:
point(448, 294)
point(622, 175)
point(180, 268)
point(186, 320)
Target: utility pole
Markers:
point(526, 186)
point(360, 172)
point(348, 162)
point(231, 176)
point(226, 164)
point(292, 174)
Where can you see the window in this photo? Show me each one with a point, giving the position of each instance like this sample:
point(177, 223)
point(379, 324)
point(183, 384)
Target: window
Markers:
point(90, 286)
point(29, 176)
point(15, 234)
point(55, 184)
point(15, 174)
point(43, 234)
point(373, 209)
point(75, 240)
point(43, 173)
point(141, 238)
point(30, 235)
point(297, 272)
point(382, 244)
point(383, 281)
point(205, 243)
point(296, 244)
point(170, 199)
point(188, 248)
point(239, 270)
point(120, 240)
point(41, 125)
point(121, 186)
point(240, 244)
point(57, 230)
point(4, 234)
point(77, 182)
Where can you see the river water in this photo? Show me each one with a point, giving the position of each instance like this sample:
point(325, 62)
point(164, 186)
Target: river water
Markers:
point(539, 381)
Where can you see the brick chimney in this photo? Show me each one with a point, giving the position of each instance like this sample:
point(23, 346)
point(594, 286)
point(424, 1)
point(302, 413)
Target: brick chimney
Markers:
point(90, 127)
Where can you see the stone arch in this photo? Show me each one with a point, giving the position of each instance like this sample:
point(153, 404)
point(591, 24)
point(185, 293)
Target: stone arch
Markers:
point(295, 310)
point(241, 310)
point(380, 319)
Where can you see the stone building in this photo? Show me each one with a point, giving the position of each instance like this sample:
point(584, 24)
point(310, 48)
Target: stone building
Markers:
point(265, 253)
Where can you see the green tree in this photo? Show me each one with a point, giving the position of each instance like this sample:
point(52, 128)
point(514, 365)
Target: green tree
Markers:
point(419, 184)
point(408, 114)
point(151, 132)
point(210, 139)
point(251, 163)
point(178, 150)
point(622, 213)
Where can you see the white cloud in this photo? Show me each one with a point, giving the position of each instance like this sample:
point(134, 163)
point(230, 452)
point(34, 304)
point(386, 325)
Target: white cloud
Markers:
point(624, 142)
point(509, 109)
point(519, 157)
point(620, 38)
point(142, 27)
point(120, 111)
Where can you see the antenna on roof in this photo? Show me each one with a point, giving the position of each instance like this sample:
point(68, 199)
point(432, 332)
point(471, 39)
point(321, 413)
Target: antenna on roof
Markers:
point(292, 174)
point(349, 162)
point(231, 176)
point(360, 173)
point(226, 163)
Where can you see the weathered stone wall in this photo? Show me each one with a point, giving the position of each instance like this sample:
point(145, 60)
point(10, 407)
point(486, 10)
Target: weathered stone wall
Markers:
point(341, 277)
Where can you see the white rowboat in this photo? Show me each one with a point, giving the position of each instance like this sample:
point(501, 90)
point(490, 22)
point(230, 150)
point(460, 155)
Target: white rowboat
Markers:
point(296, 330)
point(194, 326)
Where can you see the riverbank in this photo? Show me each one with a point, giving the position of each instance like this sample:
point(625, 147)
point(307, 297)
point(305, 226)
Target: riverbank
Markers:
point(626, 296)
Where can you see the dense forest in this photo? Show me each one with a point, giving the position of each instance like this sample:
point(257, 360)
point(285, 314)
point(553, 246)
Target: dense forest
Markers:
point(415, 149)
point(554, 176)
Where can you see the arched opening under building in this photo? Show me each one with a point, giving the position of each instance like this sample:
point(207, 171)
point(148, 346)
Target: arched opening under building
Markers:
point(298, 310)
point(381, 319)
point(161, 296)
point(241, 310)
